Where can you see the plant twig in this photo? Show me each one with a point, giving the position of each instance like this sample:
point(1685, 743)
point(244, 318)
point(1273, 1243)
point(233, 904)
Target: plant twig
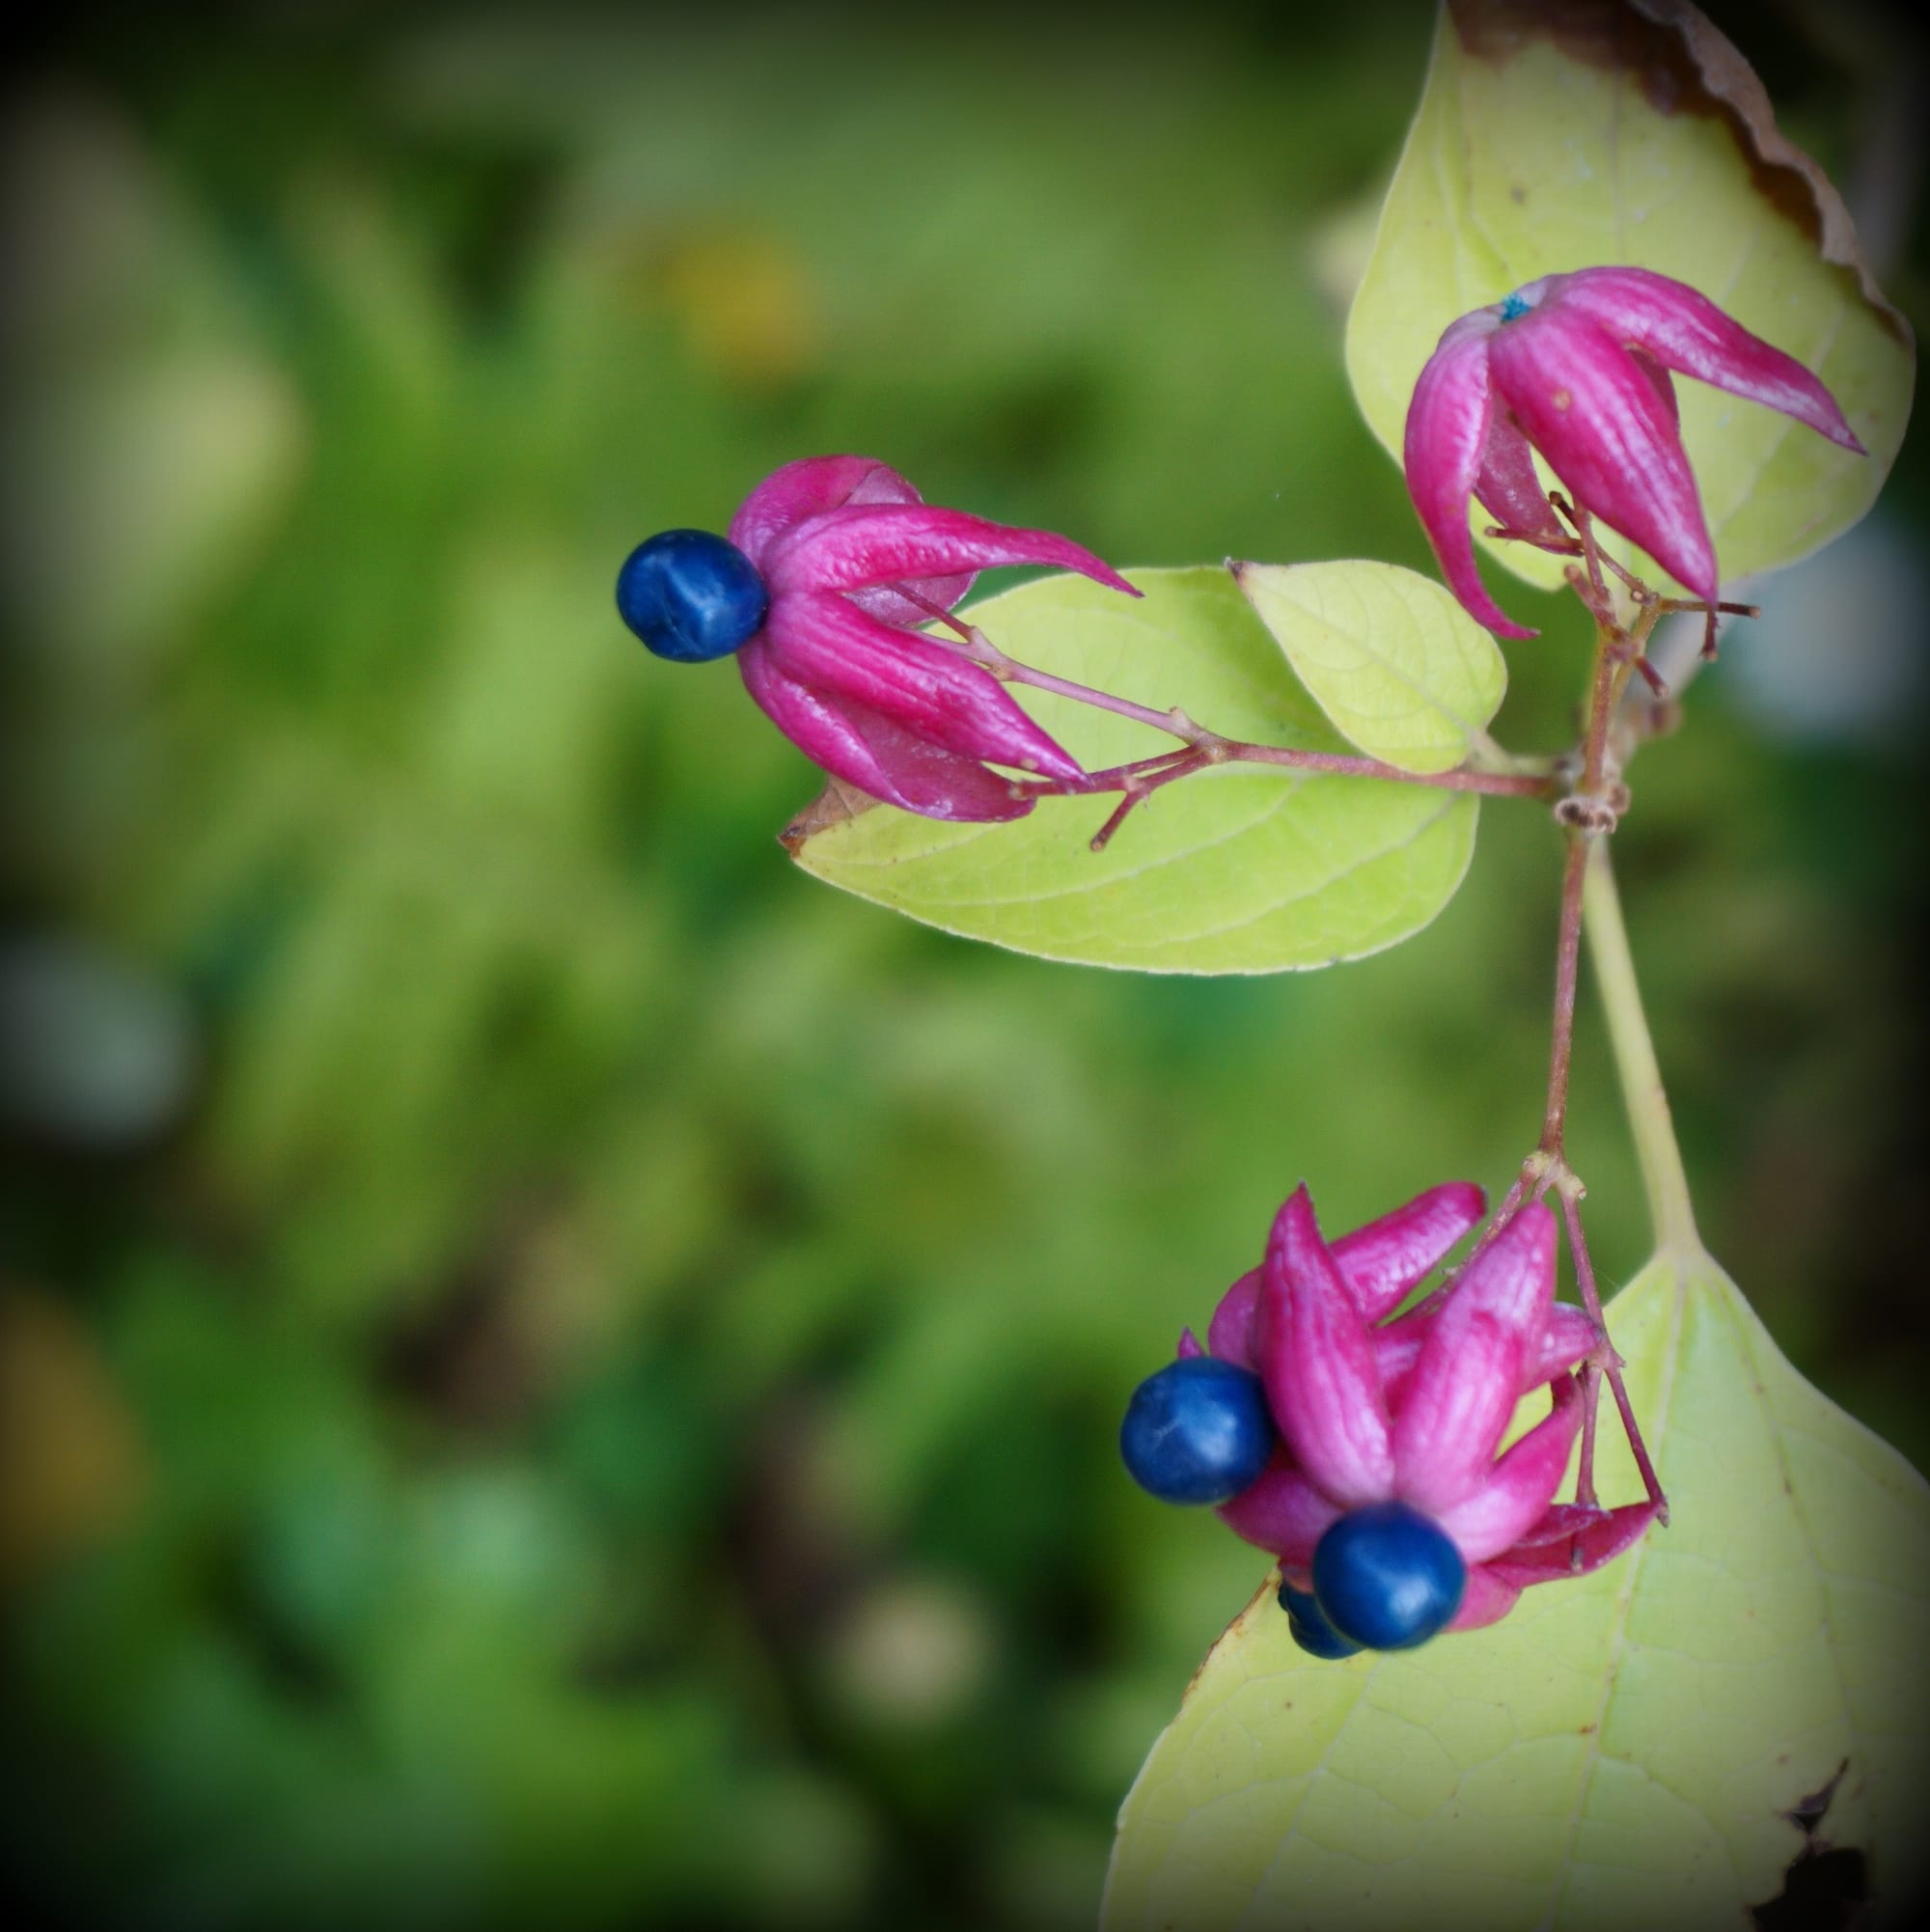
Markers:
point(1138, 781)
point(1585, 1476)
point(1589, 813)
point(1567, 976)
point(1202, 748)
point(1606, 1361)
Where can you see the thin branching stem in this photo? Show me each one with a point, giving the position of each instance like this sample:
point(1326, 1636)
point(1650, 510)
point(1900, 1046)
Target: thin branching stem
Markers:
point(1567, 976)
point(1589, 813)
point(1202, 748)
point(1605, 1360)
point(1585, 1476)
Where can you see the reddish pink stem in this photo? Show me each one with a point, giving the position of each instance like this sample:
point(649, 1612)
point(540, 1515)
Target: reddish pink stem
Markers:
point(1547, 1166)
point(1203, 747)
point(1611, 1363)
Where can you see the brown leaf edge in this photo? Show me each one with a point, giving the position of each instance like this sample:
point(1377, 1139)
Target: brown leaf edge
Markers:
point(1684, 64)
point(832, 806)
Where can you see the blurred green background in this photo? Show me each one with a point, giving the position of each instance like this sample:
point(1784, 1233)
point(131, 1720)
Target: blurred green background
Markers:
point(550, 1368)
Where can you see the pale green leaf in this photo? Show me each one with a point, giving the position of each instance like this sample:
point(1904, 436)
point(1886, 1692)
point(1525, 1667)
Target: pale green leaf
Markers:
point(1394, 660)
point(1624, 1750)
point(1239, 870)
point(1526, 158)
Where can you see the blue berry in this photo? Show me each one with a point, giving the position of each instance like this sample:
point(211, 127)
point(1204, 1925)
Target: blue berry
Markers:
point(1388, 1577)
point(1198, 1431)
point(690, 596)
point(1307, 1623)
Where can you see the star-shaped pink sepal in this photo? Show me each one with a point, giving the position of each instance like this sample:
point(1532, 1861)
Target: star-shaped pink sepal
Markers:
point(854, 563)
point(1580, 367)
point(1413, 1409)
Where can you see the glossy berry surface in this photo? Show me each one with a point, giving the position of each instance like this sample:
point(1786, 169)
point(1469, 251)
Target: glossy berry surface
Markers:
point(691, 596)
point(1388, 1577)
point(1308, 1625)
point(1198, 1431)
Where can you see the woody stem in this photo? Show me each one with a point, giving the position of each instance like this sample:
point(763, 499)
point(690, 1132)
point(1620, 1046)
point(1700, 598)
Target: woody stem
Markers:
point(1605, 1361)
point(1544, 1166)
point(1585, 1476)
point(1567, 974)
point(1616, 651)
point(1609, 668)
point(1208, 747)
point(1212, 749)
point(1204, 747)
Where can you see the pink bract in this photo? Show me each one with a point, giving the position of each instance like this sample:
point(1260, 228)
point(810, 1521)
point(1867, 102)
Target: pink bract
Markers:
point(1415, 1408)
point(1578, 367)
point(854, 560)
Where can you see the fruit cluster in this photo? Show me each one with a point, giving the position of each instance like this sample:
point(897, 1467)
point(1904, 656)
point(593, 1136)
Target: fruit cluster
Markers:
point(1360, 1446)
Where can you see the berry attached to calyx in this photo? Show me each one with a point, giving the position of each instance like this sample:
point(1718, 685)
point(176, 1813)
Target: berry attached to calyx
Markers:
point(691, 595)
point(1197, 1431)
point(1308, 1625)
point(1391, 1425)
point(1388, 1577)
